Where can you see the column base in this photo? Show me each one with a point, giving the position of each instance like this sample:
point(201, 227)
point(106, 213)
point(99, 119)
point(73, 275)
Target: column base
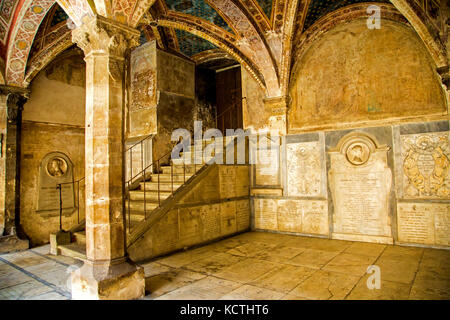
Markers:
point(13, 243)
point(108, 281)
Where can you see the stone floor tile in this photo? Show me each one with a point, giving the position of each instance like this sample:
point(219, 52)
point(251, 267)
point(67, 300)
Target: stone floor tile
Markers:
point(398, 271)
point(366, 249)
point(323, 285)
point(248, 292)
point(210, 288)
point(168, 281)
point(24, 259)
point(24, 290)
point(312, 258)
point(291, 296)
point(246, 270)
point(13, 279)
point(328, 244)
point(251, 248)
point(214, 263)
point(180, 259)
point(426, 288)
point(388, 291)
point(402, 253)
point(154, 268)
point(284, 278)
point(351, 264)
point(49, 296)
point(280, 253)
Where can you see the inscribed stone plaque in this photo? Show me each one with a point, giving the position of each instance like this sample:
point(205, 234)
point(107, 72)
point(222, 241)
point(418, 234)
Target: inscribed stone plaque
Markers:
point(227, 176)
point(267, 168)
point(242, 181)
point(242, 215)
point(211, 221)
point(190, 225)
point(289, 216)
point(228, 217)
point(56, 168)
point(424, 223)
point(315, 217)
point(425, 165)
point(266, 214)
point(297, 216)
point(304, 169)
point(360, 183)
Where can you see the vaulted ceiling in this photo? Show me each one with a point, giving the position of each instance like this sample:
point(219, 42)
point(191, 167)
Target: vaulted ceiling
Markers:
point(265, 36)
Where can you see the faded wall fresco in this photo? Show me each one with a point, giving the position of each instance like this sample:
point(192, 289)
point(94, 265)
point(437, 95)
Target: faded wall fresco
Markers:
point(143, 94)
point(355, 74)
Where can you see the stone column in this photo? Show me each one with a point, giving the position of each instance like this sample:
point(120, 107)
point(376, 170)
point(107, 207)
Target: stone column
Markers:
point(107, 273)
point(12, 100)
point(278, 107)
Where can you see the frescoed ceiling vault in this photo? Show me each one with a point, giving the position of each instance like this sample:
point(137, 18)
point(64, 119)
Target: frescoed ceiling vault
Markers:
point(265, 36)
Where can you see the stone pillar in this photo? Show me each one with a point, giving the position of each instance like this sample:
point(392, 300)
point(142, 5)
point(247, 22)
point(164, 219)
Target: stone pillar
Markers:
point(12, 100)
point(107, 273)
point(278, 107)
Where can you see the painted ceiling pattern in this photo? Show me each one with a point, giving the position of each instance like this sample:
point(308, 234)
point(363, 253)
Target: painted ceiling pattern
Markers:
point(58, 16)
point(190, 44)
point(266, 5)
point(7, 8)
point(320, 8)
point(200, 9)
point(262, 35)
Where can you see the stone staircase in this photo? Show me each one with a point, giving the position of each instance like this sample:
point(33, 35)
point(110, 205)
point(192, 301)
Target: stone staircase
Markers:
point(148, 196)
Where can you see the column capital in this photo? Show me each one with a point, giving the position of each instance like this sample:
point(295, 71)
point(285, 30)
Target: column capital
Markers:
point(104, 36)
point(11, 90)
point(278, 107)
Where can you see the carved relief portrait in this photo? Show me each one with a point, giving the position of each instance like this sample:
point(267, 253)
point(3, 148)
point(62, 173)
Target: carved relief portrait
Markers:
point(358, 153)
point(56, 167)
point(426, 165)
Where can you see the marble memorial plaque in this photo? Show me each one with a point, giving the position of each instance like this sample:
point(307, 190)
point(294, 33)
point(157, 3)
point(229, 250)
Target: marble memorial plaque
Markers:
point(289, 216)
point(360, 182)
point(424, 223)
point(267, 168)
point(425, 165)
point(56, 168)
point(315, 217)
point(266, 214)
point(296, 216)
point(304, 169)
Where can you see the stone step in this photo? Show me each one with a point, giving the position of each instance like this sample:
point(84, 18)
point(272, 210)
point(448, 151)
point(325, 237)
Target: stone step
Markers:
point(163, 186)
point(74, 250)
point(180, 169)
point(149, 195)
point(136, 205)
point(79, 237)
point(167, 177)
point(180, 162)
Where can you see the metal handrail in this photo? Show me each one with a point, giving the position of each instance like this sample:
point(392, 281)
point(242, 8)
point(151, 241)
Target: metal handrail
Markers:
point(143, 176)
point(59, 187)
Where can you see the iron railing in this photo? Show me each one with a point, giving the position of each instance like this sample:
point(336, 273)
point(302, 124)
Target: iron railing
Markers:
point(142, 177)
point(78, 187)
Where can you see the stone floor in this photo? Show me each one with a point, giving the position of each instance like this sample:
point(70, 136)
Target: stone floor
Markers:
point(254, 266)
